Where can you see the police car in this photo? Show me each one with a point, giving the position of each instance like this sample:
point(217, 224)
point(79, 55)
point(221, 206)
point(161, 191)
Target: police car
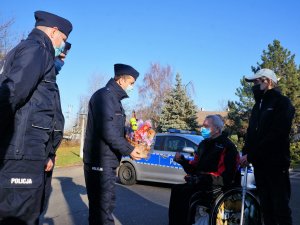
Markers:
point(160, 166)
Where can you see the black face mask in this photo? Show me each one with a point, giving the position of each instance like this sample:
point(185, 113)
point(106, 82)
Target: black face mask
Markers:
point(258, 94)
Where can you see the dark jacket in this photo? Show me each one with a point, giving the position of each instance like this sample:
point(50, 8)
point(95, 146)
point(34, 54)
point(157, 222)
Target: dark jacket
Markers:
point(105, 141)
point(267, 141)
point(30, 110)
point(216, 162)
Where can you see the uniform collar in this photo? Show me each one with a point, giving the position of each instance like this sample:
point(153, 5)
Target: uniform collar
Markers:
point(113, 86)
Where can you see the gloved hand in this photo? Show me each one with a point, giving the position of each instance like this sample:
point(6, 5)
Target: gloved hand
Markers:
point(198, 179)
point(58, 63)
point(192, 179)
point(178, 157)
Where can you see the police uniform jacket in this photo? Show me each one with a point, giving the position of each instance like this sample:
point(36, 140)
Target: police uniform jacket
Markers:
point(105, 141)
point(267, 140)
point(31, 120)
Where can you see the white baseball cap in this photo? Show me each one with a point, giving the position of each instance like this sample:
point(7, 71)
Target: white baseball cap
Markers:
point(263, 73)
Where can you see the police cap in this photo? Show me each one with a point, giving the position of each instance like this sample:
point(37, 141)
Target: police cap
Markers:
point(122, 69)
point(51, 20)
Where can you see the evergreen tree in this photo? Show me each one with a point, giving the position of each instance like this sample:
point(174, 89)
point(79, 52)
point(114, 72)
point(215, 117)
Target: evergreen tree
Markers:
point(283, 64)
point(239, 113)
point(179, 111)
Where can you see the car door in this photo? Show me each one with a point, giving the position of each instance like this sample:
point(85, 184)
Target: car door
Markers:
point(149, 169)
point(170, 170)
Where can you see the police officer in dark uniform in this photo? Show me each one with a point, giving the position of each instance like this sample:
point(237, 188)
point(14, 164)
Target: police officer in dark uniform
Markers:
point(31, 120)
point(267, 147)
point(105, 143)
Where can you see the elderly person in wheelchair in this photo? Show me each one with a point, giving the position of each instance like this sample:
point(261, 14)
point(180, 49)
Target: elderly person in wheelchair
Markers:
point(214, 167)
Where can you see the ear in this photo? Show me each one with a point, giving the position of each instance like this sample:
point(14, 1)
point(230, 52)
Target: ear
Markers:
point(120, 81)
point(52, 32)
point(269, 82)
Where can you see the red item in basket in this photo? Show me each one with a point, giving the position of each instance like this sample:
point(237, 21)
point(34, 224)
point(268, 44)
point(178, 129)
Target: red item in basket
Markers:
point(141, 133)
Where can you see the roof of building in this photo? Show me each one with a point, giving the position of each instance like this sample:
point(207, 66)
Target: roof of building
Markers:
point(202, 114)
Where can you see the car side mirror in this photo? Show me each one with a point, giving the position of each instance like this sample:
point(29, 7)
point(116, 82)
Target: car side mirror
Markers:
point(188, 150)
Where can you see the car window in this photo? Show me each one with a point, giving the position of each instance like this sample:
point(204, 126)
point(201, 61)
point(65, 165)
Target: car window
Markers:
point(175, 144)
point(191, 144)
point(159, 143)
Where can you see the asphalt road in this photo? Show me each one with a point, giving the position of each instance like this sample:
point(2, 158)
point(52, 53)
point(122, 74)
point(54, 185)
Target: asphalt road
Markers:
point(140, 204)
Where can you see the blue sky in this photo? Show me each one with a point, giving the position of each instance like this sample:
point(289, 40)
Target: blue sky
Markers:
point(211, 43)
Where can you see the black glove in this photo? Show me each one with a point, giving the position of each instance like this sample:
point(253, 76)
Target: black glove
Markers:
point(203, 179)
point(182, 159)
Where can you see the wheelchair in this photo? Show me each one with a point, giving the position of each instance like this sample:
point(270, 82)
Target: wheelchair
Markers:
point(234, 206)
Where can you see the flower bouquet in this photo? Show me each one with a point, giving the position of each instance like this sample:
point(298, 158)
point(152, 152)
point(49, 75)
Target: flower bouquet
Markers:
point(141, 134)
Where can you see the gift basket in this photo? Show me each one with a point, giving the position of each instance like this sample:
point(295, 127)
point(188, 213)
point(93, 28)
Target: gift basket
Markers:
point(141, 134)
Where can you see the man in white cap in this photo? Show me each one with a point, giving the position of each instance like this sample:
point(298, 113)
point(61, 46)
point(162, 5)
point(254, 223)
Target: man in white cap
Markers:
point(31, 120)
point(267, 147)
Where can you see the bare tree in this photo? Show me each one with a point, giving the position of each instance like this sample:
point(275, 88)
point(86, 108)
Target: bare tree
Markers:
point(190, 89)
point(5, 37)
point(223, 105)
point(157, 83)
point(96, 81)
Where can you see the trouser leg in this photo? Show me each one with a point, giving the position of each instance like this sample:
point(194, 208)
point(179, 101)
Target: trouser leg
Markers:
point(274, 193)
point(47, 191)
point(179, 203)
point(21, 190)
point(264, 197)
point(100, 187)
point(281, 192)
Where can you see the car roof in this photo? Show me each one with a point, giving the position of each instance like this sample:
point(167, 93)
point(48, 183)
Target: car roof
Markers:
point(192, 137)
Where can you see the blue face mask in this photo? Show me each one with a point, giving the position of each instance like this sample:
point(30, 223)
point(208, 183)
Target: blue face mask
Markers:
point(129, 89)
point(58, 63)
point(59, 50)
point(206, 132)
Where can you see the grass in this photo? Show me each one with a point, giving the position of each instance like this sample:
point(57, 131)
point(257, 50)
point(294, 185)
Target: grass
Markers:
point(68, 156)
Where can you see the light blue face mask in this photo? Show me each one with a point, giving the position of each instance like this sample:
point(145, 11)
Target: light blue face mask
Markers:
point(205, 132)
point(129, 89)
point(59, 50)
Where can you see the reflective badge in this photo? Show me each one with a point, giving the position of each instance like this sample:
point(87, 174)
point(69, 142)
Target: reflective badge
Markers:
point(21, 181)
point(97, 168)
point(2, 63)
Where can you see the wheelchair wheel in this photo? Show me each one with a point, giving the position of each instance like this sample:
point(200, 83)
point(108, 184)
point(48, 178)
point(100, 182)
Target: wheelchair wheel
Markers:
point(227, 209)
